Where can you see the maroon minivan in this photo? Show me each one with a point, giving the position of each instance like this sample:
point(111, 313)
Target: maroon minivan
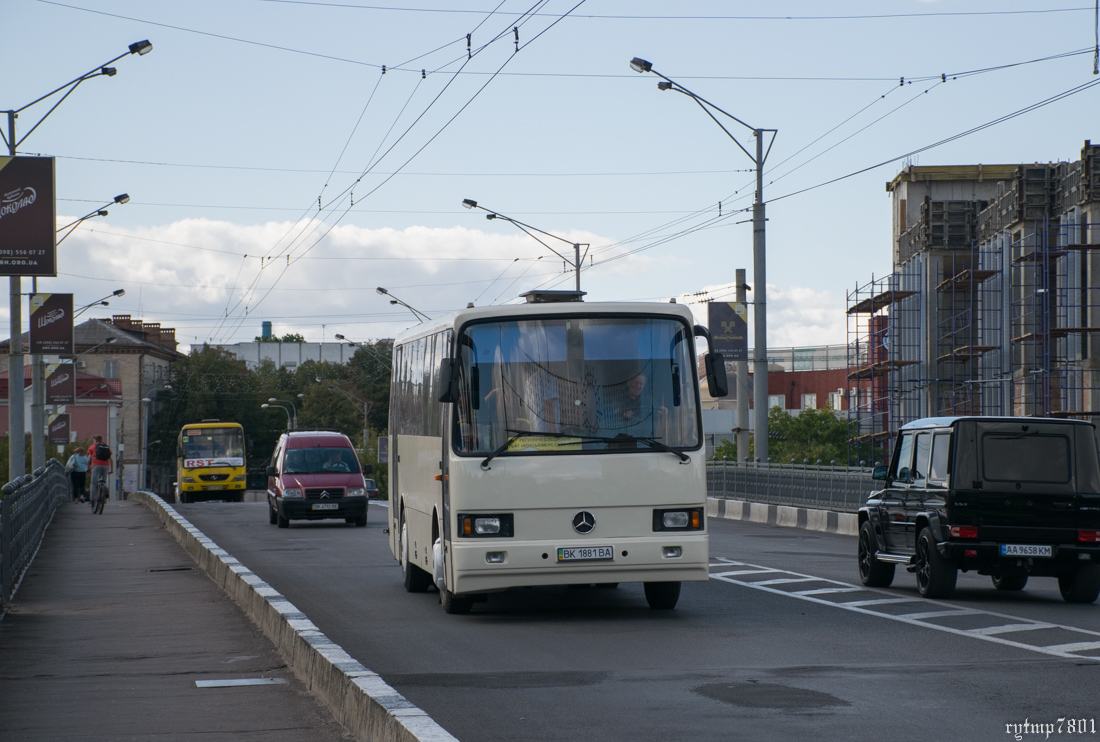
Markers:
point(315, 475)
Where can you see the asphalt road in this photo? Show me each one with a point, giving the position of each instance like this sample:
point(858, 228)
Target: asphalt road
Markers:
point(782, 643)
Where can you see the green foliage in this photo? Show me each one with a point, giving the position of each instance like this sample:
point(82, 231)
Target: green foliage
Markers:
point(212, 384)
point(290, 337)
point(726, 450)
point(812, 434)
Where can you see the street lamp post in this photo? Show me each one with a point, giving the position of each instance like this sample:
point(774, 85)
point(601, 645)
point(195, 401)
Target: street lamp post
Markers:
point(266, 405)
point(760, 320)
point(394, 300)
point(351, 397)
point(143, 460)
point(122, 198)
point(273, 400)
point(16, 421)
point(469, 203)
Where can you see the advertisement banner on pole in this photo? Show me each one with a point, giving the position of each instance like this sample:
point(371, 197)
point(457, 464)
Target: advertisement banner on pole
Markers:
point(59, 430)
point(729, 329)
point(28, 217)
point(383, 449)
point(61, 384)
point(52, 324)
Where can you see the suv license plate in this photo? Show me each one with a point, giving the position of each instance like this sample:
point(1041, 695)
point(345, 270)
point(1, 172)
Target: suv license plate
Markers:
point(585, 553)
point(325, 506)
point(1025, 550)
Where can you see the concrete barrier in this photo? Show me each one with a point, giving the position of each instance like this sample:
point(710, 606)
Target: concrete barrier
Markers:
point(359, 699)
point(825, 521)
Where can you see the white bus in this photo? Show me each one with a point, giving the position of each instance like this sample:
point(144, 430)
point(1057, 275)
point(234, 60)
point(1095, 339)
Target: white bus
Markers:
point(549, 443)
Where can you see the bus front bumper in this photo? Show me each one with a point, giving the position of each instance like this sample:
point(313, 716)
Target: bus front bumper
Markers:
point(491, 564)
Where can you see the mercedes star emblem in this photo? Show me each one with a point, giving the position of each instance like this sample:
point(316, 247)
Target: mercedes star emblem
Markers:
point(584, 522)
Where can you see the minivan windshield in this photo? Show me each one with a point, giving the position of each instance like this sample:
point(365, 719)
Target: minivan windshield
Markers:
point(573, 384)
point(336, 460)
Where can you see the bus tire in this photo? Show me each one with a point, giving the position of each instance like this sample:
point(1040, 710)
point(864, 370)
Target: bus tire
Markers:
point(662, 596)
point(454, 604)
point(415, 579)
point(184, 498)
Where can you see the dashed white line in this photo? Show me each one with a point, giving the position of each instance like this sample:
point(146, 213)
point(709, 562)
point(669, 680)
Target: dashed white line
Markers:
point(1010, 624)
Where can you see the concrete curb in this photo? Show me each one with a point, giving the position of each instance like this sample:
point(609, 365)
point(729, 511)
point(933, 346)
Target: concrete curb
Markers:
point(826, 521)
point(359, 699)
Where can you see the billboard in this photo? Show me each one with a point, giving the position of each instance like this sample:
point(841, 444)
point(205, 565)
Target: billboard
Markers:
point(59, 430)
point(729, 329)
point(28, 217)
point(61, 384)
point(52, 324)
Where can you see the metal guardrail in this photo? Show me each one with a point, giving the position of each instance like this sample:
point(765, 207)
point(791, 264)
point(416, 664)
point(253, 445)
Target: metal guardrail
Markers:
point(838, 488)
point(26, 508)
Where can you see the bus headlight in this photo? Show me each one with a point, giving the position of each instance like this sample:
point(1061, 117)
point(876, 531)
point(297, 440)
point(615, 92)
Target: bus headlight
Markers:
point(239, 478)
point(487, 525)
point(292, 492)
point(189, 479)
point(679, 519)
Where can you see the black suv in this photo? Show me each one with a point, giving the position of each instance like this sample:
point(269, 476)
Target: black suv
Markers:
point(1009, 497)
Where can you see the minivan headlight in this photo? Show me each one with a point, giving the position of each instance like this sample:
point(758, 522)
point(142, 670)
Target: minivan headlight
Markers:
point(292, 492)
point(356, 491)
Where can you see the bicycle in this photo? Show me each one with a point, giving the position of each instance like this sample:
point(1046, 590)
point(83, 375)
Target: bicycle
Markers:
point(99, 498)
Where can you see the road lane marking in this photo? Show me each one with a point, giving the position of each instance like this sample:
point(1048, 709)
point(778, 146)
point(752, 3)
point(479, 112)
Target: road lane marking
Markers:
point(1001, 623)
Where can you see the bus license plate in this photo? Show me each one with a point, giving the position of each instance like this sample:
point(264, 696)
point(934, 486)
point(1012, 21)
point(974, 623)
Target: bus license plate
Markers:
point(325, 506)
point(215, 486)
point(585, 553)
point(1025, 550)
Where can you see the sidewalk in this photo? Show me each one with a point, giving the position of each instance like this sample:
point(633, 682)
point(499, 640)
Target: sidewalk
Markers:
point(111, 628)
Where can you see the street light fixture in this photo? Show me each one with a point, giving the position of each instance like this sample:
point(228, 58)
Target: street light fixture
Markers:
point(760, 319)
point(123, 198)
point(273, 400)
point(289, 425)
point(394, 300)
point(469, 203)
point(98, 303)
point(16, 420)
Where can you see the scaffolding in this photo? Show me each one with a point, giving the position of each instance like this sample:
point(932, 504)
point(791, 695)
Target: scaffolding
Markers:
point(884, 345)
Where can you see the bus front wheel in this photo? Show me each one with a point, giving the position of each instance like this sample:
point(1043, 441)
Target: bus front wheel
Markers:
point(662, 596)
point(415, 579)
point(454, 604)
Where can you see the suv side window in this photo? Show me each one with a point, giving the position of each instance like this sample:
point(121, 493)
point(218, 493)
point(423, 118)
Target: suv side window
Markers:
point(941, 454)
point(923, 455)
point(903, 463)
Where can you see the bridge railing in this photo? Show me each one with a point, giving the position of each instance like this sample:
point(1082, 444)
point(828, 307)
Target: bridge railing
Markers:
point(838, 488)
point(27, 506)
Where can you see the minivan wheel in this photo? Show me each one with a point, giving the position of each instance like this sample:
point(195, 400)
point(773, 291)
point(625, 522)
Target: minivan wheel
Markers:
point(872, 572)
point(415, 579)
point(936, 576)
point(272, 516)
point(282, 521)
point(1082, 585)
point(1009, 582)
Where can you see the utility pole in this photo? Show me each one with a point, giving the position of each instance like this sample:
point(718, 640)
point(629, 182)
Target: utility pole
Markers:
point(759, 314)
point(742, 383)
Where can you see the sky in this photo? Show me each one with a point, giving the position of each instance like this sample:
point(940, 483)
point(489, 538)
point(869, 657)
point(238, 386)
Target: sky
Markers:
point(284, 158)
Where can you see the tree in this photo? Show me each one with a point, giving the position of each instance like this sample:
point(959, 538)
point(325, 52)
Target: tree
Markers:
point(811, 434)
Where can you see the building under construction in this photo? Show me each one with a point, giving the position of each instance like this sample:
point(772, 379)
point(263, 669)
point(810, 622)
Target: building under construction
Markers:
point(993, 305)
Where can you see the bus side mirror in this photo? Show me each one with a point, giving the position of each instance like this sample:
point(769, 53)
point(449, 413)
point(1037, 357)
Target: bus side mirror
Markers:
point(717, 384)
point(448, 378)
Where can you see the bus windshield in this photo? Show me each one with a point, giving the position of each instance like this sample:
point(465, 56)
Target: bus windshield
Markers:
point(212, 443)
point(568, 384)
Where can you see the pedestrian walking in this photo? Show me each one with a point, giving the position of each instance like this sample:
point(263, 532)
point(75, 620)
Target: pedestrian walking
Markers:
point(77, 466)
point(99, 456)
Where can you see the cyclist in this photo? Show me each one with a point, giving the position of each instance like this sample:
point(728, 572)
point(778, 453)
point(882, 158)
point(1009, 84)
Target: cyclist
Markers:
point(99, 457)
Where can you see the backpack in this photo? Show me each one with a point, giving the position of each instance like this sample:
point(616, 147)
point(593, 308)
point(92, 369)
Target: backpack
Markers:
point(102, 452)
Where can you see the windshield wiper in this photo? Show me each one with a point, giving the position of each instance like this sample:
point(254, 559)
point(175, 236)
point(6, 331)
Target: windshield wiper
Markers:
point(523, 434)
point(654, 443)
